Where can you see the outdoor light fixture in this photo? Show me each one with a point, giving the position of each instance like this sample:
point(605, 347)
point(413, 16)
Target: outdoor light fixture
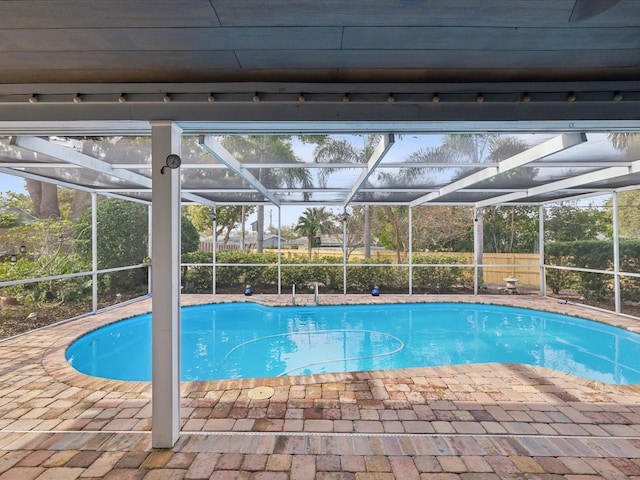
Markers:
point(526, 97)
point(571, 97)
point(23, 249)
point(122, 98)
point(173, 161)
point(211, 98)
point(435, 98)
point(301, 98)
point(77, 98)
point(345, 98)
point(33, 99)
point(391, 98)
point(256, 97)
point(344, 216)
point(166, 98)
point(617, 96)
point(213, 215)
point(13, 258)
point(479, 98)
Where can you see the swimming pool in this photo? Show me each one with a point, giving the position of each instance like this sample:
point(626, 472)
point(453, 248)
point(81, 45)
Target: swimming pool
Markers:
point(246, 340)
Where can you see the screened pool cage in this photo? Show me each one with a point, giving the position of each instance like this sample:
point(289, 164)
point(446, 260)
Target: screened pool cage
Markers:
point(411, 213)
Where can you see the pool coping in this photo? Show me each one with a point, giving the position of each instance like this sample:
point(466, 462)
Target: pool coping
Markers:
point(55, 364)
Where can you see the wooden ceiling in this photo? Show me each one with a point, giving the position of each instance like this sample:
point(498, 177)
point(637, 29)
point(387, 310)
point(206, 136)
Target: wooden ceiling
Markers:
point(160, 41)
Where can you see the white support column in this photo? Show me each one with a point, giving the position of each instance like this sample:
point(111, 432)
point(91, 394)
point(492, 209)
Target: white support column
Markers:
point(616, 255)
point(543, 276)
point(279, 250)
point(94, 250)
point(344, 254)
point(478, 246)
point(166, 286)
point(214, 250)
point(410, 250)
point(150, 248)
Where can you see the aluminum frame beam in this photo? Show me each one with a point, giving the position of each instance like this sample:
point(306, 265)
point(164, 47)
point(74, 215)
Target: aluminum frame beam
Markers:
point(554, 145)
point(223, 155)
point(567, 183)
point(79, 159)
point(386, 142)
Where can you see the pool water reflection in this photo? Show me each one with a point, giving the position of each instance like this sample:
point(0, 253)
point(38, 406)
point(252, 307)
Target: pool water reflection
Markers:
point(245, 340)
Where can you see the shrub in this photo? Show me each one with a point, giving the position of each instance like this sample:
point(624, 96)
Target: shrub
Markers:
point(439, 279)
point(592, 254)
point(364, 278)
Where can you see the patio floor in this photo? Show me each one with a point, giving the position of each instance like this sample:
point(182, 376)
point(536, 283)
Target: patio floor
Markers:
point(481, 422)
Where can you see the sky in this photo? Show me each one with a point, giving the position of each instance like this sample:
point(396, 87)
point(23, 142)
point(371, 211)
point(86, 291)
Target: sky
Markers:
point(11, 182)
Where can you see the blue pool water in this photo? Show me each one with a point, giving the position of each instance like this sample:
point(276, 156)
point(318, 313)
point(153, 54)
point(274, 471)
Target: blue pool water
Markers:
point(245, 340)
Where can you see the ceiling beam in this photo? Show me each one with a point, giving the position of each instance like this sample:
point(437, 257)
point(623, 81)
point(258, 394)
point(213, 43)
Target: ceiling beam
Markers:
point(378, 154)
point(554, 145)
point(223, 155)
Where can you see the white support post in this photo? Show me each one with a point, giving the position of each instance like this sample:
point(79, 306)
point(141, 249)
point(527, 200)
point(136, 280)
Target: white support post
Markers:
point(94, 250)
point(150, 248)
point(279, 250)
point(344, 255)
point(543, 277)
point(410, 250)
point(478, 246)
point(616, 254)
point(165, 140)
point(214, 252)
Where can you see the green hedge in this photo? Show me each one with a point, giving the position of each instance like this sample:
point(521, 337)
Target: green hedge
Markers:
point(440, 279)
point(593, 254)
point(296, 270)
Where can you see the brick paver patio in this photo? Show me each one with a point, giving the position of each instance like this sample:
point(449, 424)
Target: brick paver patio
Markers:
point(481, 422)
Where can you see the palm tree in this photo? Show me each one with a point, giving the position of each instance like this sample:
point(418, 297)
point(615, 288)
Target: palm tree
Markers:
point(313, 222)
point(340, 150)
point(263, 148)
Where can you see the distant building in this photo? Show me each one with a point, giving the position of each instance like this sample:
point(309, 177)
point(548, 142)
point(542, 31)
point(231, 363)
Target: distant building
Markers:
point(235, 242)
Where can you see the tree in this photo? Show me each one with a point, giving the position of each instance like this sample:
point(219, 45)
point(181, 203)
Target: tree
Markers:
point(568, 222)
point(498, 229)
point(511, 229)
point(355, 230)
point(628, 214)
point(628, 202)
point(273, 148)
point(442, 228)
point(122, 233)
point(394, 231)
point(340, 150)
point(228, 218)
point(45, 196)
point(313, 222)
point(190, 238)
